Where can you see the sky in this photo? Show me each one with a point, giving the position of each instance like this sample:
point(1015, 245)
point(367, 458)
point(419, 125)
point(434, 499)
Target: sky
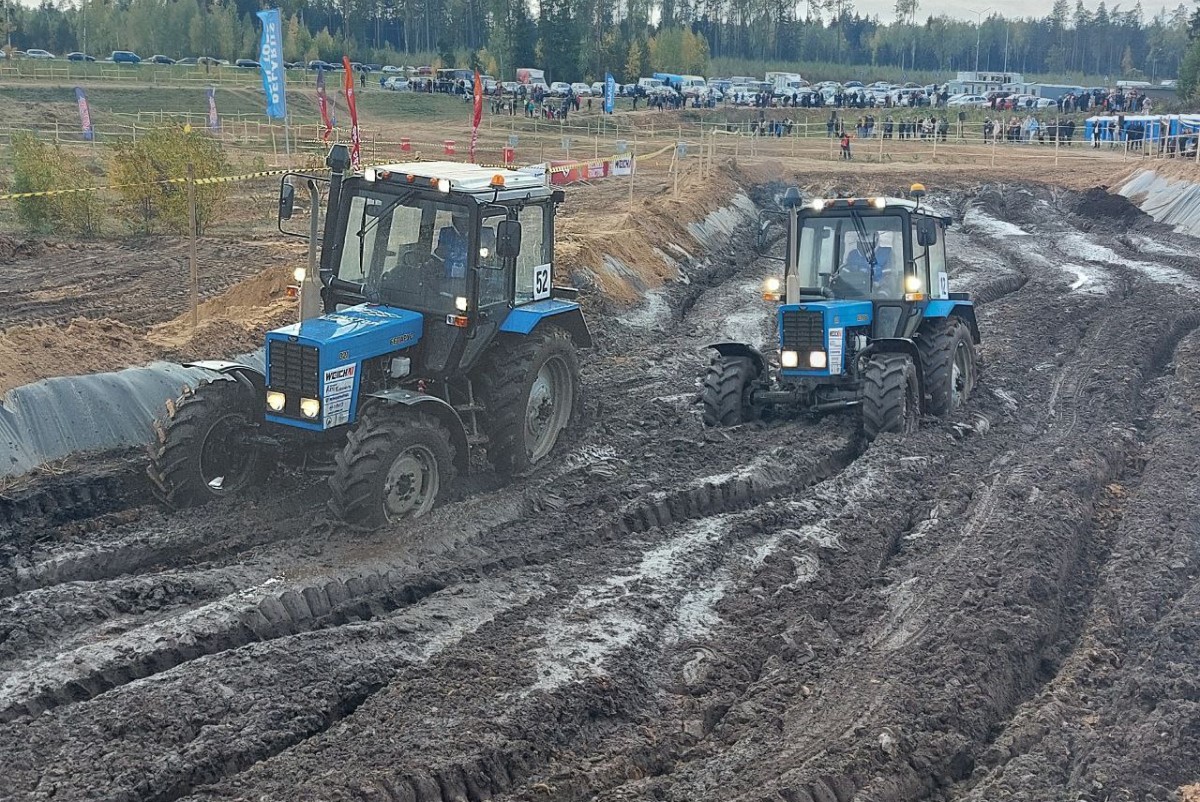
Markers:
point(885, 9)
point(1009, 8)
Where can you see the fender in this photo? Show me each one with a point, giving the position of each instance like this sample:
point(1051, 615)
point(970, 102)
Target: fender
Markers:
point(567, 314)
point(446, 415)
point(954, 307)
point(742, 349)
point(248, 375)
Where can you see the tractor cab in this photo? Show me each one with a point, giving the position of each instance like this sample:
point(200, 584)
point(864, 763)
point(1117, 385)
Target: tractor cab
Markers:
point(865, 282)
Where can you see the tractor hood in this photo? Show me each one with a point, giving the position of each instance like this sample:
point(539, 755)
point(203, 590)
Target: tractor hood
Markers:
point(356, 333)
point(321, 360)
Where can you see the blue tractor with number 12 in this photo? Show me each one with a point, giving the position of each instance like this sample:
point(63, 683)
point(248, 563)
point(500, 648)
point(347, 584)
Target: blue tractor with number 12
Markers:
point(867, 320)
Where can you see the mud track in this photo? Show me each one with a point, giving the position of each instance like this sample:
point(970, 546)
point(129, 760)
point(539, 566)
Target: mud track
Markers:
point(1001, 606)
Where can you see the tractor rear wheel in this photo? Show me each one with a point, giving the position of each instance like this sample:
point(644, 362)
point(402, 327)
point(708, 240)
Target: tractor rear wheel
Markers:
point(891, 399)
point(725, 396)
point(397, 464)
point(530, 391)
point(948, 364)
point(203, 450)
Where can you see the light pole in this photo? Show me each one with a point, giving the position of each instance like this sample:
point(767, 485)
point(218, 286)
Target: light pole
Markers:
point(1007, 29)
point(978, 32)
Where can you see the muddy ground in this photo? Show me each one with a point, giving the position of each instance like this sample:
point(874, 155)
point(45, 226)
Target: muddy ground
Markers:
point(1002, 606)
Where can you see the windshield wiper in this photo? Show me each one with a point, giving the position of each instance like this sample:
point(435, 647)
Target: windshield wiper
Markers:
point(866, 244)
point(368, 226)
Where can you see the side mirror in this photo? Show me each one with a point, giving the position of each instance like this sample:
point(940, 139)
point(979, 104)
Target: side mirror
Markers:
point(761, 241)
point(508, 239)
point(927, 232)
point(287, 200)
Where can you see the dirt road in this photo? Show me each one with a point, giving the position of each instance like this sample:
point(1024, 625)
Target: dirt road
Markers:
point(1004, 606)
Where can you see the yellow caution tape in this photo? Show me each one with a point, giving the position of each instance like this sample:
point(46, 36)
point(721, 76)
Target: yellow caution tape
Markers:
point(199, 181)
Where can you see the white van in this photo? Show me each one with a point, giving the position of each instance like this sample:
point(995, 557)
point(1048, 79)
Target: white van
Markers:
point(692, 85)
point(649, 85)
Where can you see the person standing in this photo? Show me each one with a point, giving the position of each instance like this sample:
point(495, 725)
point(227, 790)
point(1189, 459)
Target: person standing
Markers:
point(846, 146)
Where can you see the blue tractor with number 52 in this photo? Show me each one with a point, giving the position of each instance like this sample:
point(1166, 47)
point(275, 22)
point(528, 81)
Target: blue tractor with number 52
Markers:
point(867, 320)
point(442, 330)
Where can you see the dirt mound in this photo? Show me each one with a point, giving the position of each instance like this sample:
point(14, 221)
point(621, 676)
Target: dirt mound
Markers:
point(1099, 202)
point(12, 249)
point(233, 322)
point(29, 353)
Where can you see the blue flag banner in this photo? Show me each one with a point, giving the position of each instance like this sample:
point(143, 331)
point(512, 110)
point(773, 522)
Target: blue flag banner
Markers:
point(85, 115)
point(214, 122)
point(270, 61)
point(610, 93)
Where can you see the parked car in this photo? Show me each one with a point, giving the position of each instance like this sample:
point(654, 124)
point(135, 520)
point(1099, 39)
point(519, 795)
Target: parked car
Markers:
point(581, 89)
point(510, 87)
point(125, 57)
point(77, 56)
point(246, 64)
point(209, 61)
point(36, 52)
point(391, 70)
point(968, 101)
point(598, 88)
point(186, 62)
point(396, 83)
point(161, 59)
point(559, 89)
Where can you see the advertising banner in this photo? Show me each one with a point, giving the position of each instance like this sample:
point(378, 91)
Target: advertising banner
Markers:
point(85, 114)
point(214, 122)
point(610, 93)
point(477, 114)
point(355, 141)
point(270, 62)
point(323, 106)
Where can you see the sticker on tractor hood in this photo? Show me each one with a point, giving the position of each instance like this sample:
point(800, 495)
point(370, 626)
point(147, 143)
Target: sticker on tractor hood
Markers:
point(337, 392)
point(835, 350)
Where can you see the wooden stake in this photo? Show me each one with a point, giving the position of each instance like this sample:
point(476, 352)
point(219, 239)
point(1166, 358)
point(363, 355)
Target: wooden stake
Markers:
point(194, 283)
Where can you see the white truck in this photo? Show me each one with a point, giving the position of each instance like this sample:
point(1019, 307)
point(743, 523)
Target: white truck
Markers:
point(785, 84)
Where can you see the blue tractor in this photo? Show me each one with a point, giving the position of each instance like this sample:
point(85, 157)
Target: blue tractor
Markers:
point(442, 330)
point(867, 320)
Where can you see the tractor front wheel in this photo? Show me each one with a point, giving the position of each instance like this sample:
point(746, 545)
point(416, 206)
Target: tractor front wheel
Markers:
point(204, 450)
point(530, 390)
point(725, 397)
point(397, 464)
point(891, 399)
point(949, 364)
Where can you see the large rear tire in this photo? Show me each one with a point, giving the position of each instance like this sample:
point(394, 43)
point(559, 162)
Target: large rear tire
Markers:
point(725, 396)
point(203, 451)
point(530, 391)
point(891, 400)
point(948, 364)
point(397, 464)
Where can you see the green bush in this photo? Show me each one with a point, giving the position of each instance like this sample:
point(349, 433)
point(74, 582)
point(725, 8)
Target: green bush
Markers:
point(143, 173)
point(42, 167)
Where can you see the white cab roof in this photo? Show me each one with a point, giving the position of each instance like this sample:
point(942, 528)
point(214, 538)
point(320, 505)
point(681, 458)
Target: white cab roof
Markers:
point(466, 177)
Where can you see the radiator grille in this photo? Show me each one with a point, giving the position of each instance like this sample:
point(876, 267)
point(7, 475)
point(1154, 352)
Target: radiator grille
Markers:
point(803, 331)
point(295, 367)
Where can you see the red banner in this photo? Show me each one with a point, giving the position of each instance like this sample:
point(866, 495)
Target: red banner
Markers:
point(323, 105)
point(355, 145)
point(478, 113)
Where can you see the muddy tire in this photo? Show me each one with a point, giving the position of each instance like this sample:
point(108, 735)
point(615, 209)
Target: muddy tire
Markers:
point(725, 396)
point(201, 452)
point(530, 390)
point(397, 464)
point(948, 364)
point(891, 400)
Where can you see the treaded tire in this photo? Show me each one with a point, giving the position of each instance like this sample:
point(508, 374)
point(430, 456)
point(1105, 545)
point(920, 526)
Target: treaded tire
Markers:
point(724, 398)
point(891, 400)
point(178, 459)
point(940, 343)
point(506, 381)
point(382, 435)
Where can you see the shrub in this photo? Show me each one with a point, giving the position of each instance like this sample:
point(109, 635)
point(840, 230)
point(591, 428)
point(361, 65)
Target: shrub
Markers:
point(42, 167)
point(143, 170)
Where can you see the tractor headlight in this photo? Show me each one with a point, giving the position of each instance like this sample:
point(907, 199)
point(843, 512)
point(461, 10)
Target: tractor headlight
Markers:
point(299, 274)
point(443, 185)
point(912, 283)
point(789, 359)
point(817, 359)
point(460, 303)
point(276, 400)
point(772, 289)
point(818, 204)
point(310, 407)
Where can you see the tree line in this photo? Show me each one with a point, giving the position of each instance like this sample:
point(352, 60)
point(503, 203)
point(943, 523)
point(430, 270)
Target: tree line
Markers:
point(583, 39)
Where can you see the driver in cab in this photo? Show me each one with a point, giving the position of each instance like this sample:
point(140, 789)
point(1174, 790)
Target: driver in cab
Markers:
point(860, 276)
point(452, 246)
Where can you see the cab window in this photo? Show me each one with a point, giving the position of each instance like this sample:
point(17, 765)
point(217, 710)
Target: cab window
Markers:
point(533, 264)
